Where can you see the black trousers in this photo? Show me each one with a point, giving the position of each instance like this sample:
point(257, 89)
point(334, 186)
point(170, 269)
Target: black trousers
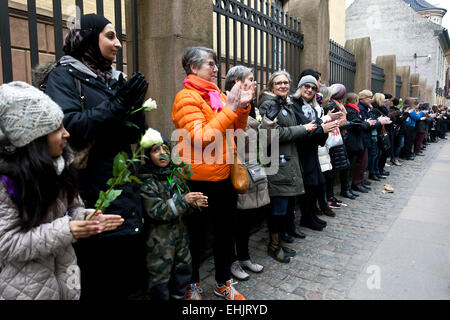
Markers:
point(222, 201)
point(410, 135)
point(243, 222)
point(112, 268)
point(308, 201)
point(330, 176)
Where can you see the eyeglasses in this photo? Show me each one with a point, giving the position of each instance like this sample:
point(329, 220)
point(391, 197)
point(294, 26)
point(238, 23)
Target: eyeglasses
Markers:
point(280, 83)
point(307, 87)
point(211, 64)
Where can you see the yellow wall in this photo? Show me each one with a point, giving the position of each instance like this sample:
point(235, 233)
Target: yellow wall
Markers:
point(337, 20)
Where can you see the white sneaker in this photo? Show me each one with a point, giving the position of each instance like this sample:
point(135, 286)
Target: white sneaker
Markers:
point(238, 273)
point(252, 266)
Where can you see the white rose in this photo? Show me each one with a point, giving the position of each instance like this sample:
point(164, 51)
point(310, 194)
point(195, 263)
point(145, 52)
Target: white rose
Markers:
point(150, 105)
point(151, 137)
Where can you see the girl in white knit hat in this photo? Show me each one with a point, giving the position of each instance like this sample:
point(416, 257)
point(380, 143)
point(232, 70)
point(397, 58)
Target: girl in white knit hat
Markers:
point(41, 213)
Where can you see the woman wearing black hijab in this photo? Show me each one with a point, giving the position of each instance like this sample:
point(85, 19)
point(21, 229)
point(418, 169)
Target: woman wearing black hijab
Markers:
point(96, 101)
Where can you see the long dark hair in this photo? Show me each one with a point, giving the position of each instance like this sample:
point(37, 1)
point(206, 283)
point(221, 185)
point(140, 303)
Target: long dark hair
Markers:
point(32, 170)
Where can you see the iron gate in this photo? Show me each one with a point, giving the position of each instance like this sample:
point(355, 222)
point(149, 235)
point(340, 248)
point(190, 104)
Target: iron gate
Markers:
point(398, 86)
point(342, 66)
point(263, 37)
point(377, 79)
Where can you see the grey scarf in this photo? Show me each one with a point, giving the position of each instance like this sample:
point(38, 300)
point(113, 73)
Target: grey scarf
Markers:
point(308, 110)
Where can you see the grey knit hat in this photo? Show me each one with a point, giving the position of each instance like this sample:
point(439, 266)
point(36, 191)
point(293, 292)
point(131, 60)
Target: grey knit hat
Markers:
point(26, 113)
point(307, 79)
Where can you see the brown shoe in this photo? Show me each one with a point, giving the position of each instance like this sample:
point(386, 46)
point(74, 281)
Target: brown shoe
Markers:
point(328, 212)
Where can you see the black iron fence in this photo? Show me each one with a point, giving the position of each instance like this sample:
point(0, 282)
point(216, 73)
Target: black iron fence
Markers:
point(377, 78)
point(342, 66)
point(398, 85)
point(258, 34)
point(58, 24)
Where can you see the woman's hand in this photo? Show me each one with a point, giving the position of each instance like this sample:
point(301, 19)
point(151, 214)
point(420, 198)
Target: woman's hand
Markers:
point(384, 120)
point(329, 126)
point(334, 115)
point(196, 199)
point(234, 97)
point(84, 229)
point(311, 126)
point(248, 95)
point(107, 222)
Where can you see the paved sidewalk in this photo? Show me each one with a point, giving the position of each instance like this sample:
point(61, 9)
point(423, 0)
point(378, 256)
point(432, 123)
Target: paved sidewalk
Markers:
point(406, 234)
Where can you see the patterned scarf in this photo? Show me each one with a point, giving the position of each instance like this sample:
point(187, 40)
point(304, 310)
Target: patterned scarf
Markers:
point(89, 54)
point(308, 110)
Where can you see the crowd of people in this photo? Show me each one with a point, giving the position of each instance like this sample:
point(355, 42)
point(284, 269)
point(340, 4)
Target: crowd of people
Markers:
point(150, 241)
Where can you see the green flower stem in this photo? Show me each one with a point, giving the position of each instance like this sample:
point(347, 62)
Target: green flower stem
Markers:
point(135, 155)
point(137, 110)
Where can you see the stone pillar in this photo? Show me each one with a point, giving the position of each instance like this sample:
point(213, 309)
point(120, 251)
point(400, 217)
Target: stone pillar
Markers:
point(405, 73)
point(389, 64)
point(430, 96)
point(165, 28)
point(422, 87)
point(315, 25)
point(362, 50)
point(415, 84)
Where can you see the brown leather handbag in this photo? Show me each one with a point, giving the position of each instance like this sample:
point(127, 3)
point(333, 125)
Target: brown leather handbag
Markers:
point(239, 176)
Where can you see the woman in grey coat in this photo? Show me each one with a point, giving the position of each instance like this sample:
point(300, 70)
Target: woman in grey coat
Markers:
point(287, 183)
point(41, 214)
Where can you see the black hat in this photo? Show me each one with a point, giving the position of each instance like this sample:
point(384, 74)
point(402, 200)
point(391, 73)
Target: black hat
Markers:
point(388, 96)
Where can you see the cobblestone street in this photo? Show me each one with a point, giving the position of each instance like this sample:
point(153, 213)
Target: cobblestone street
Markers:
point(328, 263)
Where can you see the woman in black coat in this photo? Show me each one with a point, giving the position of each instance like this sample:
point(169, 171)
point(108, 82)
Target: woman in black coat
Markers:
point(338, 154)
point(304, 101)
point(96, 101)
point(353, 139)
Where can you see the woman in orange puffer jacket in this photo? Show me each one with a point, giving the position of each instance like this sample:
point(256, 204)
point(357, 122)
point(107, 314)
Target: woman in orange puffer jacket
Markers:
point(206, 115)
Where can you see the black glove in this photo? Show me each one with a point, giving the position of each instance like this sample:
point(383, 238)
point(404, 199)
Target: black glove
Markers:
point(132, 90)
point(273, 111)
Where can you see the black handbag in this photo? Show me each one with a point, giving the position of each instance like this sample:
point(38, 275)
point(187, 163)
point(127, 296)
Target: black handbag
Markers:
point(256, 173)
point(385, 140)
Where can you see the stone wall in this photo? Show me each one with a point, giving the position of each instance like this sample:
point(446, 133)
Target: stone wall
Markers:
point(395, 28)
point(20, 44)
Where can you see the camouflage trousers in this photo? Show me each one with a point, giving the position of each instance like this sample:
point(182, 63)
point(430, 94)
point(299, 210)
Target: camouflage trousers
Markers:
point(168, 261)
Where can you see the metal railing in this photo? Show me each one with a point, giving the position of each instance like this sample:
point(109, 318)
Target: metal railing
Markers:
point(262, 37)
point(342, 66)
point(58, 23)
point(377, 78)
point(398, 85)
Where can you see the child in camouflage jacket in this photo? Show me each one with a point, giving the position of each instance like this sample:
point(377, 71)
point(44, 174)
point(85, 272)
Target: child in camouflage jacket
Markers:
point(164, 203)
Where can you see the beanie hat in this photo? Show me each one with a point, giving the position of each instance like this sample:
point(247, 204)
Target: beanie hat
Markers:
point(338, 91)
point(365, 94)
point(26, 113)
point(307, 79)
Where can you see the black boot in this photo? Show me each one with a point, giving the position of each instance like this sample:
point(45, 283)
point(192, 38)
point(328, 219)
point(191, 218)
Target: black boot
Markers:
point(311, 221)
point(292, 228)
point(347, 194)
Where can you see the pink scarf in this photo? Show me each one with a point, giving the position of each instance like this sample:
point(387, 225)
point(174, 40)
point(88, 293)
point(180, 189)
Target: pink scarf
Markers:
point(206, 87)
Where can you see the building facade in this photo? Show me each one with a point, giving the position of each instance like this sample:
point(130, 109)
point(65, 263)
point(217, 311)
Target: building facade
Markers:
point(395, 28)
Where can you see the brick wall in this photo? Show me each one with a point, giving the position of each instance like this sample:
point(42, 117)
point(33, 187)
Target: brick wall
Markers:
point(20, 44)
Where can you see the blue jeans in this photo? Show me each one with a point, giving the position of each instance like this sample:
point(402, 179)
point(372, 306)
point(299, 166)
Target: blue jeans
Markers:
point(281, 205)
point(399, 143)
point(374, 155)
